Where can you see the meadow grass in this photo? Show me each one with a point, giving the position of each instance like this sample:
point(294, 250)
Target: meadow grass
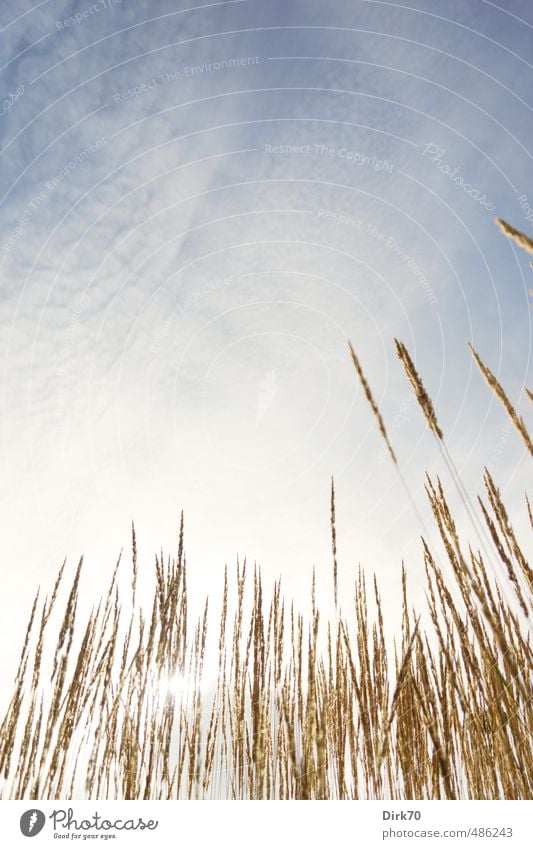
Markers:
point(114, 705)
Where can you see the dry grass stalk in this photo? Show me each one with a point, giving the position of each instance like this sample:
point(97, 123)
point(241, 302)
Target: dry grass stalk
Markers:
point(334, 543)
point(370, 399)
point(120, 706)
point(421, 395)
point(516, 235)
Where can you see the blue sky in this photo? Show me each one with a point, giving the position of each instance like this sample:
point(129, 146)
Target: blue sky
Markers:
point(200, 204)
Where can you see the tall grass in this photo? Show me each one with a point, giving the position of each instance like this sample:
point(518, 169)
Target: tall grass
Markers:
point(115, 706)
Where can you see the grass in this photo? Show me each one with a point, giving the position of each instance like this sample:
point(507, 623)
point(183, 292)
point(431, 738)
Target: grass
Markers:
point(116, 704)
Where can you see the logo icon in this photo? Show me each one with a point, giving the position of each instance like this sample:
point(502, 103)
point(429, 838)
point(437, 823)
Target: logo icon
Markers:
point(32, 822)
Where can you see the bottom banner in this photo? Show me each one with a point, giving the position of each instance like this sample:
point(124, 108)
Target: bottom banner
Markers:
point(312, 825)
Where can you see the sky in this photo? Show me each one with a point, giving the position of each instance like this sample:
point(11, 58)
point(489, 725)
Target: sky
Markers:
point(199, 205)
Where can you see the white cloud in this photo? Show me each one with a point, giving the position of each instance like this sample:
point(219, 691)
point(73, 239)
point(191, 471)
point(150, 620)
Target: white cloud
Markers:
point(175, 313)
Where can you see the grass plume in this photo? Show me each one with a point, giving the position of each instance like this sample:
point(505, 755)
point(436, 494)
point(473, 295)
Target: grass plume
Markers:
point(370, 399)
point(146, 700)
point(516, 235)
point(418, 387)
